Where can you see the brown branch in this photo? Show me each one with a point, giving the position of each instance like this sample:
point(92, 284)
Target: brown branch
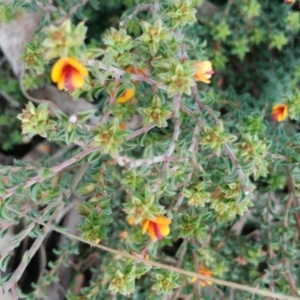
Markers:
point(9, 99)
point(285, 224)
point(53, 170)
point(28, 255)
point(171, 149)
point(227, 149)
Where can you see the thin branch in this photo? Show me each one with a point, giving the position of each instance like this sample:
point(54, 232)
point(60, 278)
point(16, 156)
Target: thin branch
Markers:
point(149, 161)
point(196, 267)
point(56, 169)
point(14, 292)
point(139, 8)
point(28, 255)
point(181, 196)
point(172, 146)
point(73, 10)
point(270, 253)
point(9, 99)
point(53, 170)
point(118, 72)
point(22, 235)
point(139, 132)
point(285, 224)
point(227, 148)
point(176, 125)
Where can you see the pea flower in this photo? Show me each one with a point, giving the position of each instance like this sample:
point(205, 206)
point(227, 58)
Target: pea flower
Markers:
point(205, 272)
point(279, 112)
point(157, 228)
point(68, 73)
point(129, 93)
point(204, 71)
point(126, 95)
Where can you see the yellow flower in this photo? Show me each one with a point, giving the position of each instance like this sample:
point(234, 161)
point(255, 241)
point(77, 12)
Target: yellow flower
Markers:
point(126, 95)
point(97, 241)
point(204, 71)
point(279, 112)
point(205, 272)
point(68, 73)
point(157, 228)
point(129, 93)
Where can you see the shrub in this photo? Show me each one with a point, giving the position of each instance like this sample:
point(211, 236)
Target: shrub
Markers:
point(184, 170)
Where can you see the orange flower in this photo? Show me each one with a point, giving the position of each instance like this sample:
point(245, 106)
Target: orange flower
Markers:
point(136, 71)
point(279, 112)
point(205, 272)
point(126, 95)
point(131, 221)
point(68, 73)
point(289, 1)
point(122, 126)
point(204, 71)
point(157, 228)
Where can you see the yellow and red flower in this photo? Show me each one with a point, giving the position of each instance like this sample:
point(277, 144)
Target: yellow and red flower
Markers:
point(68, 73)
point(280, 112)
point(289, 1)
point(157, 228)
point(205, 272)
point(204, 71)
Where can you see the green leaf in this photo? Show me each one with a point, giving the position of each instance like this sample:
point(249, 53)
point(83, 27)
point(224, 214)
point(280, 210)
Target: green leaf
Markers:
point(33, 191)
point(94, 157)
point(4, 262)
point(45, 173)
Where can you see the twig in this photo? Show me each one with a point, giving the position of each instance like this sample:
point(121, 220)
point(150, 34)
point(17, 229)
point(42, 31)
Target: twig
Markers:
point(52, 106)
point(139, 8)
point(227, 149)
point(73, 10)
point(88, 150)
point(10, 99)
point(139, 132)
point(118, 72)
point(171, 149)
point(53, 170)
point(160, 265)
point(181, 196)
point(149, 161)
point(112, 100)
point(176, 125)
point(196, 267)
point(270, 252)
point(290, 184)
point(28, 255)
point(25, 232)
point(14, 292)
